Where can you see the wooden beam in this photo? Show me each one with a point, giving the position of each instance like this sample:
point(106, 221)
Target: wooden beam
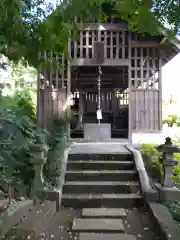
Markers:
point(103, 26)
point(105, 75)
point(144, 44)
point(107, 62)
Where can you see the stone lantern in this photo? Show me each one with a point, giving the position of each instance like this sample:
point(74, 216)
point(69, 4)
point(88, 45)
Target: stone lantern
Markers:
point(168, 149)
point(38, 159)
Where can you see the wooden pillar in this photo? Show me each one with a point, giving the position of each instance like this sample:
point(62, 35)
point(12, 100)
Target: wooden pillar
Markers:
point(69, 70)
point(114, 107)
point(69, 80)
point(62, 75)
point(160, 90)
point(130, 93)
point(80, 117)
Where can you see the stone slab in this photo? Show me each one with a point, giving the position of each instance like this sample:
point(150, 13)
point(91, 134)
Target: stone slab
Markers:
point(100, 236)
point(37, 219)
point(102, 196)
point(98, 200)
point(98, 225)
point(99, 148)
point(3, 204)
point(104, 212)
point(164, 221)
point(94, 131)
point(14, 215)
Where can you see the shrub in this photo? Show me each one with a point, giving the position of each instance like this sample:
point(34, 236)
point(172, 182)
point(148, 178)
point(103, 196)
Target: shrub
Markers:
point(57, 142)
point(151, 159)
point(17, 123)
point(23, 104)
point(171, 120)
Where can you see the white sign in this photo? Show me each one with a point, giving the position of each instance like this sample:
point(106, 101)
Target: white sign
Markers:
point(99, 114)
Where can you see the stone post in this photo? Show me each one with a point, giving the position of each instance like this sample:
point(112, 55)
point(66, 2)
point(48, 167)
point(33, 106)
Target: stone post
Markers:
point(168, 150)
point(38, 159)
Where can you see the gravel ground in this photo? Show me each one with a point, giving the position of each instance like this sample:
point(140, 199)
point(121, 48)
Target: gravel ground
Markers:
point(140, 224)
point(137, 223)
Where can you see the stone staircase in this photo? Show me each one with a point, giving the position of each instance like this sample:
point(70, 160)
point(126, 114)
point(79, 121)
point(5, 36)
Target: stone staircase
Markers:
point(104, 186)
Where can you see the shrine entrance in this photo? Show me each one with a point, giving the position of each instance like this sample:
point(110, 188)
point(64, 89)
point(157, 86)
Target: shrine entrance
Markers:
point(113, 98)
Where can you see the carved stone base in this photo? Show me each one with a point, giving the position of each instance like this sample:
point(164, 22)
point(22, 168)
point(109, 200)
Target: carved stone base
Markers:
point(50, 195)
point(168, 194)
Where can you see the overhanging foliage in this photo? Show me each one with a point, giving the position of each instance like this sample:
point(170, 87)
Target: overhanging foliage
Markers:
point(26, 30)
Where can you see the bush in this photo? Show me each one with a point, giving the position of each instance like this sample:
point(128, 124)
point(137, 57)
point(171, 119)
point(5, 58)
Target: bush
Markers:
point(17, 124)
point(151, 159)
point(57, 142)
point(171, 120)
point(22, 104)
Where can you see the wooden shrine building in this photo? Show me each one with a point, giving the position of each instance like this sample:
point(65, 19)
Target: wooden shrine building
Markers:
point(130, 90)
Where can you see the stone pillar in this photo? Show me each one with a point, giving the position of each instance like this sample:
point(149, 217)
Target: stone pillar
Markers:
point(168, 170)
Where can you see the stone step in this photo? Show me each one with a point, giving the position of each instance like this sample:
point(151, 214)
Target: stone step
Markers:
point(122, 156)
point(100, 165)
point(97, 225)
point(100, 187)
point(105, 236)
point(108, 175)
point(101, 200)
point(104, 212)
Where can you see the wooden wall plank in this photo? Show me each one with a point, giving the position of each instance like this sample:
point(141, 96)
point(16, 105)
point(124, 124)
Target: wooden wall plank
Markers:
point(145, 110)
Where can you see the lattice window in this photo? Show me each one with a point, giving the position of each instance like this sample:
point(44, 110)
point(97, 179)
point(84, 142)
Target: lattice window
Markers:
point(144, 65)
point(53, 70)
point(123, 97)
point(115, 42)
